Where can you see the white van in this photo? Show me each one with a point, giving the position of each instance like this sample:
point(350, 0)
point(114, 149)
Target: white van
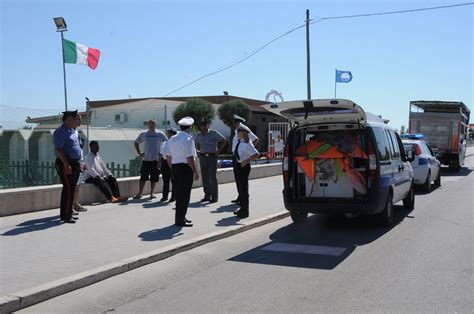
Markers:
point(338, 159)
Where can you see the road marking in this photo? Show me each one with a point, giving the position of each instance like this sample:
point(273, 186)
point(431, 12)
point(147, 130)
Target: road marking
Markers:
point(305, 249)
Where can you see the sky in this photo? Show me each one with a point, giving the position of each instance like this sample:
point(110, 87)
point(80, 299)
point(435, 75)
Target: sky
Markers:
point(149, 48)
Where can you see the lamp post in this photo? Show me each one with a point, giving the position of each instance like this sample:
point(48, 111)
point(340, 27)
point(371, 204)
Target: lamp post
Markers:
point(62, 27)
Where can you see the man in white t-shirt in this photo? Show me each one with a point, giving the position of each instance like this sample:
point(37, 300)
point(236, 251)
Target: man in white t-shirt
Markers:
point(150, 168)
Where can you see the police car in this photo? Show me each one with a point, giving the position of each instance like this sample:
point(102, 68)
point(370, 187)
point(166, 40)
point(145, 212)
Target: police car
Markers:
point(425, 166)
point(339, 159)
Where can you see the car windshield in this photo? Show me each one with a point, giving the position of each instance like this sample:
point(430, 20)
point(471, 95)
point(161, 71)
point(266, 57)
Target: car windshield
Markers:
point(408, 147)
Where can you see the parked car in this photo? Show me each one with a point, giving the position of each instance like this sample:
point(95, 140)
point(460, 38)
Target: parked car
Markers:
point(426, 167)
point(338, 159)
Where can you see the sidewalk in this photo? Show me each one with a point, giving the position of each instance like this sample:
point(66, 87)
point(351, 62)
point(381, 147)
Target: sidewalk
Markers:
point(37, 249)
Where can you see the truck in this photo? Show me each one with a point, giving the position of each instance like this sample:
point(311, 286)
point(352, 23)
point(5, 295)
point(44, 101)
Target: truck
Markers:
point(444, 125)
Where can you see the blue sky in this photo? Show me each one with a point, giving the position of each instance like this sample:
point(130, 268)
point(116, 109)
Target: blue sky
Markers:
point(149, 48)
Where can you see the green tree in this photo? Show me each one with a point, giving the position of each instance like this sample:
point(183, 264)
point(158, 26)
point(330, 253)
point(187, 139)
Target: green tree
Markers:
point(226, 113)
point(197, 108)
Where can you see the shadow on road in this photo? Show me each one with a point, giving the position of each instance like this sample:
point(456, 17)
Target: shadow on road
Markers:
point(446, 172)
point(228, 221)
point(34, 225)
point(166, 233)
point(225, 208)
point(319, 234)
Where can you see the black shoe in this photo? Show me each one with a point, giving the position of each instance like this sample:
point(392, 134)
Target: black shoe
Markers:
point(206, 200)
point(243, 214)
point(75, 218)
point(164, 199)
point(237, 211)
point(172, 199)
point(187, 221)
point(69, 221)
point(235, 201)
point(183, 224)
point(212, 201)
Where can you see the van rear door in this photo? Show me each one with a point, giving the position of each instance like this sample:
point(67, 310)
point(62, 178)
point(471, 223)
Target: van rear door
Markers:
point(319, 111)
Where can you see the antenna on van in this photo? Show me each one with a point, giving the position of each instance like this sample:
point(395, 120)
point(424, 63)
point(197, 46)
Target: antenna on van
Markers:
point(308, 104)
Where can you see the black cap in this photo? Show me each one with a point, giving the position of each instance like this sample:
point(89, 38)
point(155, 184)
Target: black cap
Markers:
point(67, 114)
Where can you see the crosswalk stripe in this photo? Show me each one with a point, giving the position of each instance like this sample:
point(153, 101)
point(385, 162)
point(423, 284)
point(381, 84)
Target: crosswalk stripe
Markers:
point(305, 249)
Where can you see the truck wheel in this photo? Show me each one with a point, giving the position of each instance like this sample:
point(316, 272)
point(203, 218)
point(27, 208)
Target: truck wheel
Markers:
point(438, 179)
point(427, 184)
point(409, 201)
point(299, 217)
point(386, 216)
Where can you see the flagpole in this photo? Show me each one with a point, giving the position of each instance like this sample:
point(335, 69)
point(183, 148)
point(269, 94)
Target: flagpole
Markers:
point(64, 71)
point(335, 83)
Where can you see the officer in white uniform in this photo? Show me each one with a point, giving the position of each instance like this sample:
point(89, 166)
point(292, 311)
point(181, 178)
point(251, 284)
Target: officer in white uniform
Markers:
point(238, 120)
point(244, 153)
point(181, 156)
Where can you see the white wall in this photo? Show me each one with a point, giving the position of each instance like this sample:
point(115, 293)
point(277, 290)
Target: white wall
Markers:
point(18, 147)
point(46, 148)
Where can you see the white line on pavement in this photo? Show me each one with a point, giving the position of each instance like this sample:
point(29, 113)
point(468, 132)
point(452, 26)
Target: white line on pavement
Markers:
point(305, 249)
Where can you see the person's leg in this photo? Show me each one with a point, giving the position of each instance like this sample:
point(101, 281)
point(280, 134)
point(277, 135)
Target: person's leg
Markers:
point(154, 177)
point(237, 171)
point(65, 192)
point(204, 162)
point(177, 175)
point(244, 189)
point(187, 187)
point(144, 174)
point(213, 186)
point(165, 173)
point(113, 185)
point(101, 184)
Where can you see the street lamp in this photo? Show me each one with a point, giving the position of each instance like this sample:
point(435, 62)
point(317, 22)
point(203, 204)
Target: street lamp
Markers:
point(61, 27)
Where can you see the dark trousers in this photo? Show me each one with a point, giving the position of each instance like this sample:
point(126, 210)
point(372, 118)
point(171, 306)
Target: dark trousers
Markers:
point(183, 183)
point(69, 182)
point(242, 181)
point(104, 184)
point(209, 176)
point(167, 177)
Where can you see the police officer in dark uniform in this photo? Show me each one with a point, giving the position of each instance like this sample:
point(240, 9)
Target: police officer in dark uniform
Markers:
point(182, 155)
point(68, 152)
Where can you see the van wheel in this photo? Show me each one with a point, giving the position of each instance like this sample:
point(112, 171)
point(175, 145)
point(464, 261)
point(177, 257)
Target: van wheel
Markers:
point(386, 216)
point(409, 201)
point(438, 179)
point(427, 184)
point(299, 217)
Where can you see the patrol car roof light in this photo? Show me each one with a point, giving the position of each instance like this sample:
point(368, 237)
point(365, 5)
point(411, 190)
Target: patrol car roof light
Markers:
point(415, 136)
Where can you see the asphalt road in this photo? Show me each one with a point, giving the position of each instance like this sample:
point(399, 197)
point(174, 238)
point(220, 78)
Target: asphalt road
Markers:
point(423, 263)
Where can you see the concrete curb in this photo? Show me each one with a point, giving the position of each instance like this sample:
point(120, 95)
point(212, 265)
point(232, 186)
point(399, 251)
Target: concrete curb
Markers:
point(25, 298)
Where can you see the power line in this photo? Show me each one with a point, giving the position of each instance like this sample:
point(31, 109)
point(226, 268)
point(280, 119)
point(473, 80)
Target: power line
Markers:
point(240, 60)
point(395, 12)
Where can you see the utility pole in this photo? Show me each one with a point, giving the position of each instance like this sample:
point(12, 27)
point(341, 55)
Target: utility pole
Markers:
point(308, 74)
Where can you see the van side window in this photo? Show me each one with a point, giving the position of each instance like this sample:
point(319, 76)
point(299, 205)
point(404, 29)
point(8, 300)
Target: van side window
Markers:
point(390, 144)
point(395, 144)
point(382, 145)
point(402, 149)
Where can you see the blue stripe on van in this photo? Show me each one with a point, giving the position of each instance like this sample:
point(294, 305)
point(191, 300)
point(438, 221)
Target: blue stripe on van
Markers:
point(385, 180)
point(422, 161)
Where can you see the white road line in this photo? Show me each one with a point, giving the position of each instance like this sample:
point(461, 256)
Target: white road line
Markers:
point(305, 249)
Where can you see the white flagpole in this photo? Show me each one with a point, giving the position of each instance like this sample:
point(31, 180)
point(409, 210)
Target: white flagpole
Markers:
point(335, 83)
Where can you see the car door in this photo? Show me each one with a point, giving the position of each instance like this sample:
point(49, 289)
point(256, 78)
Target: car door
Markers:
point(433, 162)
point(406, 171)
point(396, 167)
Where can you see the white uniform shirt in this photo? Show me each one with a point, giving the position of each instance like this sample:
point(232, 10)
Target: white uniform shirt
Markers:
point(165, 149)
point(152, 142)
point(246, 150)
point(181, 146)
point(96, 167)
point(252, 137)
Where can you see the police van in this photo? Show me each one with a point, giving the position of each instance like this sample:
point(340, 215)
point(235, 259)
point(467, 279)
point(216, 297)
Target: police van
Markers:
point(339, 159)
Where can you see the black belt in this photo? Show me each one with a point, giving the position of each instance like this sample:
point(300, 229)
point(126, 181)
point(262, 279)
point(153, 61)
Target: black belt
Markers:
point(207, 154)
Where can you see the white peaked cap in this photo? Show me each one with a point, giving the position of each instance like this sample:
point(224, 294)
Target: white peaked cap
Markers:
point(186, 121)
point(244, 128)
point(236, 117)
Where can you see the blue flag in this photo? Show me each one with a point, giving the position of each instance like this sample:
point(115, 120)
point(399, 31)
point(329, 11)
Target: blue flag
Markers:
point(343, 76)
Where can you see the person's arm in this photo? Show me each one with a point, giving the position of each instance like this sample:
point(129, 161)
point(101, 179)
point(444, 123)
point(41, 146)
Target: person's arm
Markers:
point(104, 168)
point(62, 157)
point(136, 144)
point(221, 146)
point(168, 160)
point(254, 156)
point(190, 161)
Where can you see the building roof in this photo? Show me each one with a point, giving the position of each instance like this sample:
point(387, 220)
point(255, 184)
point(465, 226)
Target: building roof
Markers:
point(52, 118)
point(254, 104)
point(440, 106)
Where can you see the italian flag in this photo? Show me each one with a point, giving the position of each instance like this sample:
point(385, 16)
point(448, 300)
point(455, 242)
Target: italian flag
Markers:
point(79, 54)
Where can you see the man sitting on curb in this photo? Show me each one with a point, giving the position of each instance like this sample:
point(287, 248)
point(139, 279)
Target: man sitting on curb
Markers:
point(98, 174)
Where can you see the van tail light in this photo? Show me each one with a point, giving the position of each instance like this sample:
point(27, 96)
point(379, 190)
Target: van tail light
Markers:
point(285, 164)
point(417, 149)
point(372, 167)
